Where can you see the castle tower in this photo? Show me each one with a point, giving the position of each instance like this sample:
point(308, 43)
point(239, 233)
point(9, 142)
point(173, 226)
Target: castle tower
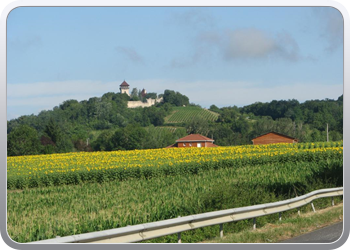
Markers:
point(124, 88)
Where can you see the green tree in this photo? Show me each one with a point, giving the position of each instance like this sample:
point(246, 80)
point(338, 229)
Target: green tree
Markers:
point(23, 140)
point(62, 141)
point(134, 95)
point(214, 108)
point(198, 126)
point(175, 98)
point(223, 135)
point(133, 136)
point(53, 130)
point(104, 141)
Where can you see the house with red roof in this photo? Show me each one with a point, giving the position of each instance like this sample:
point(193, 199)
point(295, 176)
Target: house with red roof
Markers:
point(193, 140)
point(273, 137)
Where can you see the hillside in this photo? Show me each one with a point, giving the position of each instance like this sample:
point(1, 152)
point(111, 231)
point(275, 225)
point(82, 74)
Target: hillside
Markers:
point(107, 124)
point(187, 114)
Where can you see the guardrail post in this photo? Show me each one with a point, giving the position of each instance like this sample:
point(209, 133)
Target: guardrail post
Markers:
point(299, 211)
point(280, 216)
point(221, 230)
point(254, 224)
point(332, 201)
point(313, 207)
point(179, 234)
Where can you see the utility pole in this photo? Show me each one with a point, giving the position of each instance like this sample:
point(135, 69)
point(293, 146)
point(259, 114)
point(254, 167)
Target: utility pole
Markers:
point(327, 132)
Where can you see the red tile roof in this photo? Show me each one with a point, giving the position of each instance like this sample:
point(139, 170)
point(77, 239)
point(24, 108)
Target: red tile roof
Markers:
point(194, 137)
point(125, 84)
point(276, 134)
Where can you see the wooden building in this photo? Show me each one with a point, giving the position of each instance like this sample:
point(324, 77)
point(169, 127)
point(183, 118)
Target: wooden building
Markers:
point(273, 137)
point(193, 140)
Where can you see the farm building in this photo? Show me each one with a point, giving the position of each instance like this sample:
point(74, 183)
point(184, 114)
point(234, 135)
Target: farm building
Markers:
point(193, 140)
point(273, 137)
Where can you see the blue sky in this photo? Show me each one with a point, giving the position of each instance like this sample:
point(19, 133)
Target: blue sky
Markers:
point(215, 55)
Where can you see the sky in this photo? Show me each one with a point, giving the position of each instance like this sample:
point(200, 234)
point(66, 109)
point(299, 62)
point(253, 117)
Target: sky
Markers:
point(214, 55)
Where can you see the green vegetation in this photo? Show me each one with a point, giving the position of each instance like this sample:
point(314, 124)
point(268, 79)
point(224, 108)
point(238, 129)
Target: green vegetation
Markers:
point(187, 114)
point(108, 194)
point(33, 214)
point(76, 126)
point(290, 227)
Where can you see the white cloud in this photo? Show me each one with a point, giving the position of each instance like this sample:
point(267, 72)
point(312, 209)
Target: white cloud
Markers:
point(253, 44)
point(241, 44)
point(247, 43)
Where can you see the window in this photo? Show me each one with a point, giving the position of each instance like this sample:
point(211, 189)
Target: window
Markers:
point(184, 144)
point(190, 144)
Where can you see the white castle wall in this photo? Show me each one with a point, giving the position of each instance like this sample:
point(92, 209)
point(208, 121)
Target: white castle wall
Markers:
point(150, 102)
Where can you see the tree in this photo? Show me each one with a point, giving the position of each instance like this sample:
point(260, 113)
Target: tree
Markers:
point(131, 137)
point(263, 125)
point(198, 126)
point(53, 131)
point(23, 140)
point(134, 95)
point(175, 98)
point(104, 141)
point(62, 141)
point(151, 95)
point(214, 108)
point(223, 135)
point(153, 115)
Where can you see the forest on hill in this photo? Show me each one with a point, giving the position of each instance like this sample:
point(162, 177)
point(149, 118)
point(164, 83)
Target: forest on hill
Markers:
point(105, 124)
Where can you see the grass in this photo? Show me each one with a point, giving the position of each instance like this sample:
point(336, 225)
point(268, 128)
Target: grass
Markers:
point(285, 229)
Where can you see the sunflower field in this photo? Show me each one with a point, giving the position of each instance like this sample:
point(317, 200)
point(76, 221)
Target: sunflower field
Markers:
point(76, 168)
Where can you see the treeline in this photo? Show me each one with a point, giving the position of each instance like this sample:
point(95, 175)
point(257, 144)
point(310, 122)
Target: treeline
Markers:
point(94, 124)
point(305, 121)
point(105, 123)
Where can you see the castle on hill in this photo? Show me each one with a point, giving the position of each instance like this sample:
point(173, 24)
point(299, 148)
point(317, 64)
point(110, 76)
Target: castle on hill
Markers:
point(124, 89)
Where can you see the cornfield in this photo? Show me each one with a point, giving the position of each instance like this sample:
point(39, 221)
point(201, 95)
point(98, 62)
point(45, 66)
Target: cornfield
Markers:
point(192, 181)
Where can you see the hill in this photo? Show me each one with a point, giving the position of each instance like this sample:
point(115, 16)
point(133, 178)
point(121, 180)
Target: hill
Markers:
point(107, 124)
point(187, 114)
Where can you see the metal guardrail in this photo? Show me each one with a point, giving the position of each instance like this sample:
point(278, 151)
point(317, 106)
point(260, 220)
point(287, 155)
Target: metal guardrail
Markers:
point(157, 229)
